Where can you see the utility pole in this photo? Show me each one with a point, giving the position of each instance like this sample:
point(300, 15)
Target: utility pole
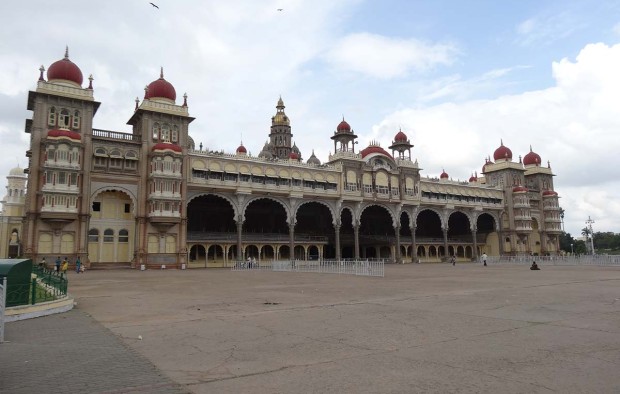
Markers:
point(589, 223)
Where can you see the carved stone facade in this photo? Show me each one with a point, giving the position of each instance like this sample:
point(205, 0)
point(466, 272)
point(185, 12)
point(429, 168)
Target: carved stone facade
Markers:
point(149, 197)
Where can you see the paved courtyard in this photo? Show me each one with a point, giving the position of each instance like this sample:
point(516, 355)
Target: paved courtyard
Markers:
point(422, 328)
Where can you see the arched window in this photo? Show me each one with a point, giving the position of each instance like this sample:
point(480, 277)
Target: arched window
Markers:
point(165, 133)
point(76, 120)
point(51, 119)
point(63, 119)
point(108, 235)
point(123, 236)
point(93, 235)
point(175, 134)
point(156, 129)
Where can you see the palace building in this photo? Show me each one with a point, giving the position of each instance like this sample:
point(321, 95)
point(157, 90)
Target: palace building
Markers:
point(150, 196)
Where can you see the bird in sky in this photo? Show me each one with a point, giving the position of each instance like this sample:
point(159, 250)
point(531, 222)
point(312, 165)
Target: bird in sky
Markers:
point(280, 9)
point(154, 5)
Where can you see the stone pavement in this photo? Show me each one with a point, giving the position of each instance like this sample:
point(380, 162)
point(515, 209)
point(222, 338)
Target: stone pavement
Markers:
point(72, 353)
point(422, 328)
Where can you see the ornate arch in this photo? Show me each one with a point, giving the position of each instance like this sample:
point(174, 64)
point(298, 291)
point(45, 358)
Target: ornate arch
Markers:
point(493, 215)
point(331, 209)
point(370, 204)
point(286, 207)
point(472, 224)
point(115, 188)
point(220, 195)
point(437, 212)
point(351, 211)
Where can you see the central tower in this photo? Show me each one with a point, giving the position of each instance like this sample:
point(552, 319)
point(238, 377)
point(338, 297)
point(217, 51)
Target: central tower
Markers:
point(280, 137)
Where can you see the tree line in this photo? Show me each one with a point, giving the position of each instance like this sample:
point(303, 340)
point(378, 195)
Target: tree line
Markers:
point(604, 242)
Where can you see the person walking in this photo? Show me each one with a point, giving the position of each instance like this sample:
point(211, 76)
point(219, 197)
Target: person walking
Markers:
point(78, 265)
point(453, 260)
point(484, 259)
point(65, 266)
point(57, 264)
point(43, 264)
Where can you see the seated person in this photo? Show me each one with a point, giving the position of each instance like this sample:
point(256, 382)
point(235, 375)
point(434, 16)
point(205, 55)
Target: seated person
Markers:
point(534, 266)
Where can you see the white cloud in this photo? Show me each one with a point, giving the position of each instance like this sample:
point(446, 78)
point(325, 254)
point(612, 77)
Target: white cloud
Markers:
point(544, 30)
point(574, 124)
point(385, 57)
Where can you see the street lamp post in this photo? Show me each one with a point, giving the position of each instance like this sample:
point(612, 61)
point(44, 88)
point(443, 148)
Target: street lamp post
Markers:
point(589, 223)
point(571, 250)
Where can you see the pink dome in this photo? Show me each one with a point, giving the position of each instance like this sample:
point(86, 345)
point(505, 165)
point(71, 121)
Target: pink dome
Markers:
point(167, 146)
point(343, 127)
point(65, 69)
point(531, 158)
point(444, 175)
point(241, 149)
point(64, 133)
point(502, 153)
point(400, 137)
point(519, 189)
point(374, 149)
point(473, 179)
point(161, 88)
point(549, 193)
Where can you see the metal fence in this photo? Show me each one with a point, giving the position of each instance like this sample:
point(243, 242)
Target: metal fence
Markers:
point(597, 260)
point(2, 306)
point(45, 285)
point(346, 267)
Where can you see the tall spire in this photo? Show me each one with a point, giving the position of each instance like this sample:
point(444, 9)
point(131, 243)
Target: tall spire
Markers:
point(161, 73)
point(67, 52)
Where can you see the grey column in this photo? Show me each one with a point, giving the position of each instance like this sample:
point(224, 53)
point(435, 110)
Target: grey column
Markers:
point(239, 239)
point(414, 247)
point(474, 235)
point(397, 254)
point(291, 240)
point(445, 242)
point(337, 233)
point(356, 236)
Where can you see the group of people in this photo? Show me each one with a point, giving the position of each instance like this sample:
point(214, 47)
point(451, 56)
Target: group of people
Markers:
point(252, 262)
point(483, 258)
point(61, 266)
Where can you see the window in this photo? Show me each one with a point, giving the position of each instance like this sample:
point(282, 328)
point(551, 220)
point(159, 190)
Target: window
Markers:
point(100, 161)
point(100, 152)
point(93, 235)
point(116, 163)
point(96, 206)
point(131, 164)
point(156, 128)
point(76, 120)
point(63, 119)
point(108, 235)
point(49, 177)
point(175, 134)
point(62, 178)
point(123, 235)
point(51, 120)
point(127, 208)
point(165, 133)
point(73, 179)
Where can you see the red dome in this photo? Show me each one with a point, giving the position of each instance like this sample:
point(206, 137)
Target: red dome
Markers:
point(167, 146)
point(400, 137)
point(241, 149)
point(549, 193)
point(161, 89)
point(343, 127)
point(293, 156)
point(502, 153)
point(473, 179)
point(65, 69)
point(519, 189)
point(444, 175)
point(531, 158)
point(64, 133)
point(374, 149)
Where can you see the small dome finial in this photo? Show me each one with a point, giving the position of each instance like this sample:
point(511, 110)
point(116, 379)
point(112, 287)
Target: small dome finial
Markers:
point(67, 52)
point(185, 99)
point(501, 142)
point(90, 81)
point(161, 72)
point(137, 102)
point(41, 69)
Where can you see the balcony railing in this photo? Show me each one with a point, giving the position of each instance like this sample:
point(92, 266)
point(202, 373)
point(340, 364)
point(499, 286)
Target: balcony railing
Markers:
point(116, 135)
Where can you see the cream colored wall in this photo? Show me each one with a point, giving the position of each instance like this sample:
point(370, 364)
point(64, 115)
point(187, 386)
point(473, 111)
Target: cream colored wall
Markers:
point(112, 216)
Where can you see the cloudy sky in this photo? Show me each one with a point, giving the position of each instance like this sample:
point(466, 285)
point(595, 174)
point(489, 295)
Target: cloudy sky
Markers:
point(456, 76)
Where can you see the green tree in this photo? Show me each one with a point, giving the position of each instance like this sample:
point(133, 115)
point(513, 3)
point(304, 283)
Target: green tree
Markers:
point(562, 217)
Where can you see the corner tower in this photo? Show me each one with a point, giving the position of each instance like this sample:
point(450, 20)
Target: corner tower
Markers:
point(280, 137)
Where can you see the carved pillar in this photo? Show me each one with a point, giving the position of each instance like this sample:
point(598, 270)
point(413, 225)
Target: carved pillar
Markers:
point(291, 240)
point(337, 234)
point(356, 239)
point(474, 235)
point(397, 254)
point(239, 238)
point(445, 242)
point(414, 247)
point(501, 241)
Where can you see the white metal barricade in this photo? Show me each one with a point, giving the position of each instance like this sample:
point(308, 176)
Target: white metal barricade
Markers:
point(345, 267)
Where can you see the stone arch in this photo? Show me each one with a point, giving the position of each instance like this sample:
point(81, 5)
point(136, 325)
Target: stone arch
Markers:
point(331, 209)
point(286, 206)
point(220, 195)
point(493, 215)
point(437, 212)
point(467, 215)
point(115, 188)
point(387, 208)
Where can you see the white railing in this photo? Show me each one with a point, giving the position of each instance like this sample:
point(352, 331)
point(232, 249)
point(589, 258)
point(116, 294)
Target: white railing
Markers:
point(346, 267)
point(2, 307)
point(597, 260)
